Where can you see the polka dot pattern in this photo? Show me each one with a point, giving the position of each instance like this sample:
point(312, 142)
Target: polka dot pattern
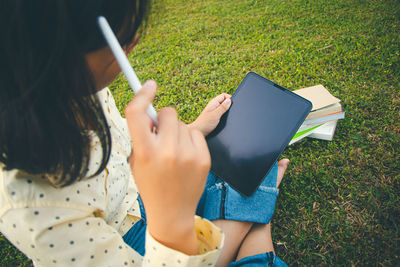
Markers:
point(82, 224)
point(159, 255)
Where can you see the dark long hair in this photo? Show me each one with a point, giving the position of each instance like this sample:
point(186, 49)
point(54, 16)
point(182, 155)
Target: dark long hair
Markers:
point(47, 93)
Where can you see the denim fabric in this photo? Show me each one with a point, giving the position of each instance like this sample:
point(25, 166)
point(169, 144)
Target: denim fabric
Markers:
point(220, 201)
point(136, 236)
point(265, 259)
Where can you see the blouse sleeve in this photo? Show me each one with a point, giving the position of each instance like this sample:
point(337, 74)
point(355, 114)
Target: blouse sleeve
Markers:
point(210, 241)
point(54, 236)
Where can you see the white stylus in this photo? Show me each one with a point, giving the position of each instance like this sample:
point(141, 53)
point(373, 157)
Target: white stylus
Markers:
point(123, 62)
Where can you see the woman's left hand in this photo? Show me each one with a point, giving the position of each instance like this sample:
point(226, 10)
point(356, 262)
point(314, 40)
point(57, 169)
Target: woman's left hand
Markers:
point(210, 116)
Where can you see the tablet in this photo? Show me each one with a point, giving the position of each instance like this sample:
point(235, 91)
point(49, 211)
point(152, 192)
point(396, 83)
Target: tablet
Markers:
point(252, 134)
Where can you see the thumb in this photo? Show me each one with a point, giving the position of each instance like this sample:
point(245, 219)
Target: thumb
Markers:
point(223, 107)
point(135, 111)
point(142, 99)
point(147, 93)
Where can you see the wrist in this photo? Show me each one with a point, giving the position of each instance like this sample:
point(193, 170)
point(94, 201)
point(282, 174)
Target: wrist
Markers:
point(195, 125)
point(177, 234)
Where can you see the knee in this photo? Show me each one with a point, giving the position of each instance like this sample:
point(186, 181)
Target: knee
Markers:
point(234, 229)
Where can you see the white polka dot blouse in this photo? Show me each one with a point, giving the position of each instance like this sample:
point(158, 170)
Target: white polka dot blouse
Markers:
point(83, 224)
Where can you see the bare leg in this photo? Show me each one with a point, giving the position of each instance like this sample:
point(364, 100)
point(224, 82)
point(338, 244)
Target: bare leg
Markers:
point(244, 239)
point(258, 240)
point(234, 232)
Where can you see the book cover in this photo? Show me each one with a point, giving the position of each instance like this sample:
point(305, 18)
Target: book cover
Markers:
point(325, 132)
point(304, 133)
point(318, 95)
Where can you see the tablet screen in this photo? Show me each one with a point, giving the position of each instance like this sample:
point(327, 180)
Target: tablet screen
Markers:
point(254, 132)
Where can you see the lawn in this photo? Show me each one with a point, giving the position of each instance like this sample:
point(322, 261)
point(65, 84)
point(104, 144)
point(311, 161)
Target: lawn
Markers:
point(339, 201)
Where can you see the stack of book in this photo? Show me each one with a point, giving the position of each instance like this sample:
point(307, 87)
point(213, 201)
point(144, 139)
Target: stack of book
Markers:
point(322, 120)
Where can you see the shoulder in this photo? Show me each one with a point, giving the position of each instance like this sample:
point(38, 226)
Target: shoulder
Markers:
point(20, 190)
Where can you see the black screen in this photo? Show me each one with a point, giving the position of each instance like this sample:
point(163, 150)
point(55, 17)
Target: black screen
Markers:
point(254, 132)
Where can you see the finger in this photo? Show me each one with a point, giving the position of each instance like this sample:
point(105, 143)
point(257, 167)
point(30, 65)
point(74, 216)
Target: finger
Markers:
point(216, 101)
point(221, 97)
point(146, 95)
point(282, 166)
point(168, 127)
point(213, 104)
point(135, 112)
point(223, 107)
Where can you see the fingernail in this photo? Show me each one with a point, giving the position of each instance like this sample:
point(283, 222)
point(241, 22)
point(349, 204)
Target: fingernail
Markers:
point(227, 102)
point(150, 84)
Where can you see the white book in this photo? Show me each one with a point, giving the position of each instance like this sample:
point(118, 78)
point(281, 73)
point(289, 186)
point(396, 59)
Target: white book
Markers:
point(324, 119)
point(304, 133)
point(304, 127)
point(325, 132)
point(322, 112)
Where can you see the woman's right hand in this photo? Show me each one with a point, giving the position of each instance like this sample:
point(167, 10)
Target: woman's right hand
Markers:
point(170, 167)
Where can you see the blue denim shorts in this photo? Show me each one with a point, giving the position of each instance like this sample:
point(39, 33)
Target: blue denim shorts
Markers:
point(264, 259)
point(220, 201)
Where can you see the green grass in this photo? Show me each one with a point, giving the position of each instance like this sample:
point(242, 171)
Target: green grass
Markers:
point(339, 201)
